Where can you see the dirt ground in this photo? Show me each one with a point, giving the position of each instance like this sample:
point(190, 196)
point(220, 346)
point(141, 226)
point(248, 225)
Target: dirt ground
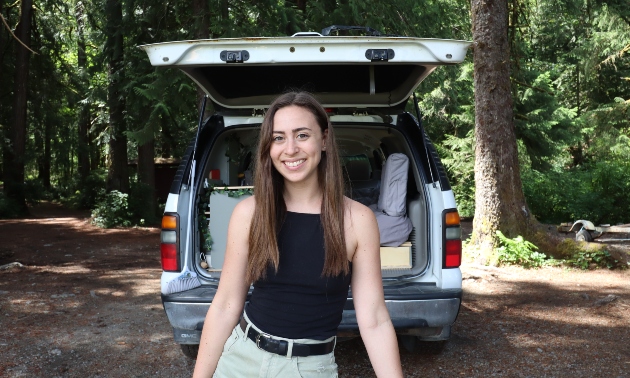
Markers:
point(86, 303)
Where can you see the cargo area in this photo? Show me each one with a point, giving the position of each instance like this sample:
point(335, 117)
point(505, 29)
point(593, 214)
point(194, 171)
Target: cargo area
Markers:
point(227, 169)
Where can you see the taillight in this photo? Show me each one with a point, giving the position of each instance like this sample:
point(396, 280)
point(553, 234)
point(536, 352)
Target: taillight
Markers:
point(169, 243)
point(452, 237)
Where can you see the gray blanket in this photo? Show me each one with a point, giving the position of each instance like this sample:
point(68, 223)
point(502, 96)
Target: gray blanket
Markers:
point(391, 210)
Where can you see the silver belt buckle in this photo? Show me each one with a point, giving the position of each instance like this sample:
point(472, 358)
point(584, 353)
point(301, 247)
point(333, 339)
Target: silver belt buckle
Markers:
point(258, 339)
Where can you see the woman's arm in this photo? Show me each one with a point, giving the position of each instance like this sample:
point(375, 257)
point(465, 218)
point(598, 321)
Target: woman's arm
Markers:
point(227, 305)
point(375, 325)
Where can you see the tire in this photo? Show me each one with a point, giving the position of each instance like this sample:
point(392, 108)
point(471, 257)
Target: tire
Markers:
point(190, 350)
point(583, 235)
point(415, 344)
point(431, 347)
point(408, 342)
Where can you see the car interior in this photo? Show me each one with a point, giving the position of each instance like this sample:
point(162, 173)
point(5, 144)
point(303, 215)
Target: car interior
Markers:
point(363, 149)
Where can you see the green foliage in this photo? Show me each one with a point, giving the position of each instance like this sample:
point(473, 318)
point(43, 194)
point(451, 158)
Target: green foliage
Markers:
point(144, 211)
point(203, 219)
point(234, 193)
point(433, 18)
point(35, 191)
point(84, 194)
point(598, 190)
point(112, 209)
point(598, 258)
point(570, 68)
point(543, 126)
point(519, 251)
point(458, 156)
point(116, 209)
point(8, 208)
point(446, 102)
point(588, 256)
point(448, 116)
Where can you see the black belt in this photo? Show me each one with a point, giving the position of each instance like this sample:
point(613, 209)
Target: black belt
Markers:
point(281, 347)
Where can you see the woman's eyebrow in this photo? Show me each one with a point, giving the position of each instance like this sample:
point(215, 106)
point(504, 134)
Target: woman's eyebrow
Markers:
point(301, 129)
point(293, 131)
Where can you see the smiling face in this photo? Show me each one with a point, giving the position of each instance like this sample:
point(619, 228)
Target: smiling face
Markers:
point(297, 145)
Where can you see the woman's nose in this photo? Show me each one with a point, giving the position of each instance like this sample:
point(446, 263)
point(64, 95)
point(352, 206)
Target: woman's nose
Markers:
point(291, 146)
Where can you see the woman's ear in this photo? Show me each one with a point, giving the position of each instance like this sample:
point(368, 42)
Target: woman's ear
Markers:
point(324, 139)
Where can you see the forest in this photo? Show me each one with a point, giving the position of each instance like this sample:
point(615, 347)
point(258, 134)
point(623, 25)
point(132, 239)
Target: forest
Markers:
point(84, 117)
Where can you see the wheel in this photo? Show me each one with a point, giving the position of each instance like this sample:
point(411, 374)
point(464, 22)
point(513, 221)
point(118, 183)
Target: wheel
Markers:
point(190, 350)
point(431, 347)
point(408, 342)
point(583, 235)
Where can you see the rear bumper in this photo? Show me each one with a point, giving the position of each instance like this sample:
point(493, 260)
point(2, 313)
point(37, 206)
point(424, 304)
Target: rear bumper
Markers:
point(423, 311)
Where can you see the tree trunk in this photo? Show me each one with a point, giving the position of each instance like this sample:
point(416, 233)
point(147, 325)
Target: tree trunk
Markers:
point(45, 169)
point(146, 176)
point(96, 160)
point(118, 176)
point(499, 200)
point(221, 18)
point(83, 148)
point(16, 132)
point(2, 85)
point(42, 143)
point(201, 10)
point(167, 142)
point(225, 13)
point(293, 25)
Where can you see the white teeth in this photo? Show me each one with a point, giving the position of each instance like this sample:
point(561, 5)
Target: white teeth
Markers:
point(293, 163)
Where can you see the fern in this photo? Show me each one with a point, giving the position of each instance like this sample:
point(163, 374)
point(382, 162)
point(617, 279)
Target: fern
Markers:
point(519, 251)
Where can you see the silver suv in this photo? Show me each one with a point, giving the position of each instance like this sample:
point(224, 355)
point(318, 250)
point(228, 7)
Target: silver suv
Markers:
point(365, 84)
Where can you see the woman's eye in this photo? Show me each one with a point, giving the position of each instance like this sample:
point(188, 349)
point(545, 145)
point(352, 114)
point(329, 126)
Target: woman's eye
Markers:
point(277, 138)
point(302, 136)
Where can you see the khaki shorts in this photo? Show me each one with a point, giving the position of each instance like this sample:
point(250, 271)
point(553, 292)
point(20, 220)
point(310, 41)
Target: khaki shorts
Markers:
point(242, 358)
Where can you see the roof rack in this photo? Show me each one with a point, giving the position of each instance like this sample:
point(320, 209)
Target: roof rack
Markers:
point(368, 30)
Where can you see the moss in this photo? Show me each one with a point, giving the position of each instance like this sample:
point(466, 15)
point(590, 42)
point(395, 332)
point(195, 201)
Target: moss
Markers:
point(567, 248)
point(480, 254)
point(563, 251)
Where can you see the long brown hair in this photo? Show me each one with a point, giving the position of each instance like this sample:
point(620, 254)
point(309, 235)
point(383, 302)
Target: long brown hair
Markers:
point(271, 208)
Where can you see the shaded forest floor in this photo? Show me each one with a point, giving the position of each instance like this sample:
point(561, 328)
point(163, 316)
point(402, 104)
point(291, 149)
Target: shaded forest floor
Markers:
point(86, 303)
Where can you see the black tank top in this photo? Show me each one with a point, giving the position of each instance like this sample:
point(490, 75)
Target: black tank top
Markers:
point(298, 302)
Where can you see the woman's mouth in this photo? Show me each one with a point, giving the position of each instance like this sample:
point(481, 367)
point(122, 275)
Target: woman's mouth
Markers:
point(293, 164)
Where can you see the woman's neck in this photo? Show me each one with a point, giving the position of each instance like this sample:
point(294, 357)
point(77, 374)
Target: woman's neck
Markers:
point(303, 198)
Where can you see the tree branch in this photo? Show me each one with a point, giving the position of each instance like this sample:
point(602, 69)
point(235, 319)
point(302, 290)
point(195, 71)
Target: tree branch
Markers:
point(615, 55)
point(532, 87)
point(619, 9)
point(4, 21)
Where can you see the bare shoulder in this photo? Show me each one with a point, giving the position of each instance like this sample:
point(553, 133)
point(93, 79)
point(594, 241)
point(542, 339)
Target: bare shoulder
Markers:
point(247, 204)
point(362, 234)
point(359, 220)
point(358, 214)
point(244, 210)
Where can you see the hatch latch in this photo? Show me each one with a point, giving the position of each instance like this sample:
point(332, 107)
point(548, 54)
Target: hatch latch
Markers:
point(376, 55)
point(234, 56)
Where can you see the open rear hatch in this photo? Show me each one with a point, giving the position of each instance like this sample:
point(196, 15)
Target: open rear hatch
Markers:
point(341, 71)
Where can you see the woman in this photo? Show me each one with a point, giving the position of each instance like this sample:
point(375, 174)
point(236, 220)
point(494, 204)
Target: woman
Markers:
point(306, 244)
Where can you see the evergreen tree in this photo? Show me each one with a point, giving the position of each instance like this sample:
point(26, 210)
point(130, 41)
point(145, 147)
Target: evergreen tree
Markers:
point(118, 175)
point(14, 151)
point(500, 203)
